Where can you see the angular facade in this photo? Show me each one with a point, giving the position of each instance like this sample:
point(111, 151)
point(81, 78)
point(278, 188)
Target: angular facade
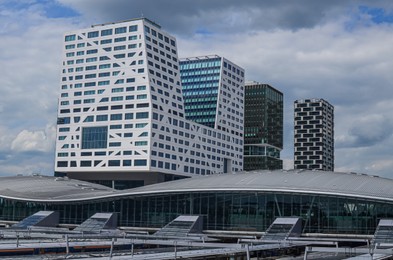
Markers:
point(213, 92)
point(121, 113)
point(263, 127)
point(314, 135)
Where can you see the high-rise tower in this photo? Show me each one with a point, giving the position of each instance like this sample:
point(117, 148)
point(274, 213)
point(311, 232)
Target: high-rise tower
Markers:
point(263, 127)
point(121, 116)
point(314, 135)
point(213, 92)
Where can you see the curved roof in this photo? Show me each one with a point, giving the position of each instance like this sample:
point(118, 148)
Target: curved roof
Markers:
point(46, 188)
point(51, 189)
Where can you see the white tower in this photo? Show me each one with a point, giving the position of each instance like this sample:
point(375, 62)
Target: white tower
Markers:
point(121, 113)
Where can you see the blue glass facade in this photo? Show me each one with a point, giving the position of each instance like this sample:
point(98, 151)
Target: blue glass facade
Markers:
point(200, 82)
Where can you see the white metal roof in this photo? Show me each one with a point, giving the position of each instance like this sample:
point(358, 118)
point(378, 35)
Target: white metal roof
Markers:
point(51, 189)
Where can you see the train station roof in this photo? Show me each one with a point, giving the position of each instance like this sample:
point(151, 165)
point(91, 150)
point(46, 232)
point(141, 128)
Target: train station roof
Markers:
point(57, 189)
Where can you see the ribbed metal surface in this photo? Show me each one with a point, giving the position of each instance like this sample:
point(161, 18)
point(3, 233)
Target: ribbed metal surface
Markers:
point(317, 182)
point(49, 188)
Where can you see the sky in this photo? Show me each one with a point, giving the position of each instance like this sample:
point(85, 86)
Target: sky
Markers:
point(338, 50)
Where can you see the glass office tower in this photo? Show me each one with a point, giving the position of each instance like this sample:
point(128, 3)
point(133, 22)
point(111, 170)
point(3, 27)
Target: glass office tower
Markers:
point(263, 127)
point(213, 92)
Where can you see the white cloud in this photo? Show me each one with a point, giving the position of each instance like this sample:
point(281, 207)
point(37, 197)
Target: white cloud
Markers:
point(41, 141)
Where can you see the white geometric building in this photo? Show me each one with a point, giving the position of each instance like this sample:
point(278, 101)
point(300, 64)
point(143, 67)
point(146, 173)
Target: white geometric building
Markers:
point(121, 113)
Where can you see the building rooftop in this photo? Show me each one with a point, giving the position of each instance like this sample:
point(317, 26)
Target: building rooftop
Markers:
point(129, 20)
point(52, 189)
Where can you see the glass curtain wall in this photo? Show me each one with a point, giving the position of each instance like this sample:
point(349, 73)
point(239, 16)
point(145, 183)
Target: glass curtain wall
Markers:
point(222, 211)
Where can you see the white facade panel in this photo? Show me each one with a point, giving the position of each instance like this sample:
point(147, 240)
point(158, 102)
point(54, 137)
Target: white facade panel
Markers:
point(121, 107)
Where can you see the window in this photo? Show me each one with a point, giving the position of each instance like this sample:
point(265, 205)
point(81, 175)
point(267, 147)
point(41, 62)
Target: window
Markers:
point(115, 90)
point(94, 137)
point(87, 101)
point(121, 39)
point(92, 34)
point(89, 119)
point(126, 162)
point(140, 162)
point(105, 66)
point(91, 51)
point(90, 84)
point(104, 74)
point(69, 38)
point(120, 30)
point(91, 67)
point(118, 48)
point(129, 116)
point(116, 98)
point(62, 164)
point(91, 59)
point(116, 117)
point(103, 83)
point(106, 41)
point(102, 118)
point(140, 143)
point(114, 163)
point(89, 92)
point(133, 28)
point(106, 32)
point(140, 125)
point(119, 56)
point(142, 115)
point(85, 163)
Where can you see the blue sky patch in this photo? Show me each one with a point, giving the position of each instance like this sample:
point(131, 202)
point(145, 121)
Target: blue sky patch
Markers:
point(378, 15)
point(52, 9)
point(55, 10)
point(203, 31)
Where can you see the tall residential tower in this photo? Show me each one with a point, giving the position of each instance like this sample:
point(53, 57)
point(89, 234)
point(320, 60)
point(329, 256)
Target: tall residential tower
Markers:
point(263, 127)
point(121, 116)
point(314, 135)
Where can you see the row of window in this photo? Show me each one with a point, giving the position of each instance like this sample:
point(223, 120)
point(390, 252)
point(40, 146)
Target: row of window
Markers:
point(102, 100)
point(105, 32)
point(111, 163)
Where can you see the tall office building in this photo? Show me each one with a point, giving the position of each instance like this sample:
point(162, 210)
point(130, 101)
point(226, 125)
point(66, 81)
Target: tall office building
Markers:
point(263, 127)
point(314, 135)
point(121, 117)
point(213, 93)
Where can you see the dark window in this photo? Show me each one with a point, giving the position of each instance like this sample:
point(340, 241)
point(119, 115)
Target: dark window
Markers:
point(94, 137)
